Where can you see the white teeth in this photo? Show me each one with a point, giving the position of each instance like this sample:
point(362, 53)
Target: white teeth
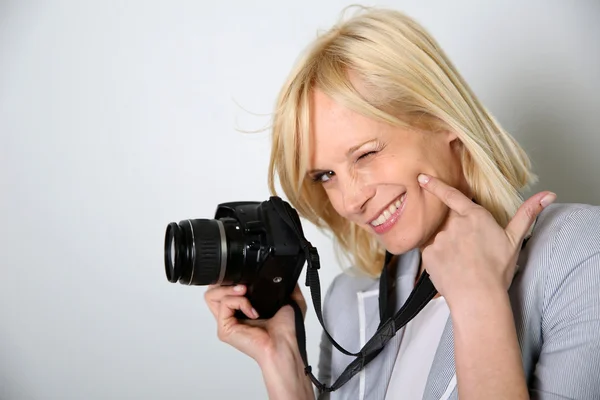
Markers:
point(387, 213)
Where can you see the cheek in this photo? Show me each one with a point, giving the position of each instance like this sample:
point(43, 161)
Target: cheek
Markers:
point(435, 213)
point(425, 212)
point(406, 164)
point(446, 165)
point(335, 199)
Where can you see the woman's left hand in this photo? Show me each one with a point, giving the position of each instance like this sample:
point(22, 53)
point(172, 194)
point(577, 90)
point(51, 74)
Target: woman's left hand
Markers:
point(472, 253)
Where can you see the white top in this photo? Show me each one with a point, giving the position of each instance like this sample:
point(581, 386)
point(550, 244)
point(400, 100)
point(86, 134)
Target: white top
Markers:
point(417, 349)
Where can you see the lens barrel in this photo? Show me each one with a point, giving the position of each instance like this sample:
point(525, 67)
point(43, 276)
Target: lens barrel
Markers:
point(195, 252)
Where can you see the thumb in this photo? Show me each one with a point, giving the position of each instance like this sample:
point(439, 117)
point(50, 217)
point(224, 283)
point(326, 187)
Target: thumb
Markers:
point(526, 214)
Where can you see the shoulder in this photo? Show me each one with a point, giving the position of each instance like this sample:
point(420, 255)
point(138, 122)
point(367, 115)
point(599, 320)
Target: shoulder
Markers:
point(569, 231)
point(556, 304)
point(562, 257)
point(559, 215)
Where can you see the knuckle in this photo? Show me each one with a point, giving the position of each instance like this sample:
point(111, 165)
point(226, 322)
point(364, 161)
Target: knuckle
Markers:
point(481, 211)
point(246, 304)
point(450, 195)
point(475, 214)
point(427, 254)
point(440, 238)
point(212, 292)
point(531, 213)
point(228, 301)
point(236, 302)
point(214, 307)
point(243, 302)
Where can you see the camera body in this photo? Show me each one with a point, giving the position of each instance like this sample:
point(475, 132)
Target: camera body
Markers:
point(247, 242)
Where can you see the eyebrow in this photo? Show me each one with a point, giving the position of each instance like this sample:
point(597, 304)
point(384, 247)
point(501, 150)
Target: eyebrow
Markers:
point(350, 151)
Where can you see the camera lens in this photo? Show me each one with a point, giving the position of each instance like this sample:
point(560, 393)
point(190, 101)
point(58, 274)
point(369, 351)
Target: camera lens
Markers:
point(173, 257)
point(196, 252)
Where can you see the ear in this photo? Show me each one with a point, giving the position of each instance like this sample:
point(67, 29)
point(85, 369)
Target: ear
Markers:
point(451, 137)
point(454, 142)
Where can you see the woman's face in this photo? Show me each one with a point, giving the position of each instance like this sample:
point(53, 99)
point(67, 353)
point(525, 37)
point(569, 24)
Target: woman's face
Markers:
point(369, 171)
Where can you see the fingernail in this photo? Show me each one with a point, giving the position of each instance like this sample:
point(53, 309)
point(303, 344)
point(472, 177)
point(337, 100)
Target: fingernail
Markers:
point(254, 313)
point(548, 199)
point(423, 178)
point(238, 288)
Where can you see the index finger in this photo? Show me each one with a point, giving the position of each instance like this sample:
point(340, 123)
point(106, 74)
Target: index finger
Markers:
point(452, 197)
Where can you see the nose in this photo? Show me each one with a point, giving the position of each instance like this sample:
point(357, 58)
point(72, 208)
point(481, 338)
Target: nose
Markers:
point(356, 196)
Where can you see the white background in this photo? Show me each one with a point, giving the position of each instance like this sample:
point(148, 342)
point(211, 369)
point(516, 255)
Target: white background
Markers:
point(117, 117)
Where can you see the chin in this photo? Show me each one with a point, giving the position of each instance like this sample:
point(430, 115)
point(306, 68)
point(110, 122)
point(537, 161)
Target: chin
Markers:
point(404, 239)
point(400, 248)
point(401, 244)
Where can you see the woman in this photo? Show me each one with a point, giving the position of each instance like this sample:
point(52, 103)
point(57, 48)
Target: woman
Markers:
point(377, 139)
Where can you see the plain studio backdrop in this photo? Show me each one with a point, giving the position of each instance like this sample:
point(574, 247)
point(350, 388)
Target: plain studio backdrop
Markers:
point(119, 117)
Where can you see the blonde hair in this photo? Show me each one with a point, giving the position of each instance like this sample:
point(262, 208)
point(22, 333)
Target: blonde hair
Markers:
point(406, 80)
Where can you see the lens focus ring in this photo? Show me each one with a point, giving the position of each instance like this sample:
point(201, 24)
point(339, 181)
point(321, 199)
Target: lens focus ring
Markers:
point(205, 249)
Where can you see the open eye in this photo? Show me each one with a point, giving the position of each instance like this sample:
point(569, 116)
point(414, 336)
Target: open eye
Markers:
point(323, 177)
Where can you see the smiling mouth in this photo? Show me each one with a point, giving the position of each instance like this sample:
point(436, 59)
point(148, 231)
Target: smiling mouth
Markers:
point(389, 216)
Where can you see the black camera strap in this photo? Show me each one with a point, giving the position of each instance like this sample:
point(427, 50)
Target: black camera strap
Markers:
point(422, 293)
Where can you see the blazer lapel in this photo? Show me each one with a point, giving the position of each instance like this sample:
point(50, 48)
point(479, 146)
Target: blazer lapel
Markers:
point(368, 315)
point(377, 375)
point(441, 381)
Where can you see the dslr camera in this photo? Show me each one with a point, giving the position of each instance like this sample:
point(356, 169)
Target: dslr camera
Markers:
point(258, 244)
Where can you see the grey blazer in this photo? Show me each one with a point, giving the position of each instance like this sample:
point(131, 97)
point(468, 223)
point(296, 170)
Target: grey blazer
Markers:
point(555, 297)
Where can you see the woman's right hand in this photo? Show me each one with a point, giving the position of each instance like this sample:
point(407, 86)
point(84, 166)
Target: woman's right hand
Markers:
point(257, 338)
point(271, 343)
